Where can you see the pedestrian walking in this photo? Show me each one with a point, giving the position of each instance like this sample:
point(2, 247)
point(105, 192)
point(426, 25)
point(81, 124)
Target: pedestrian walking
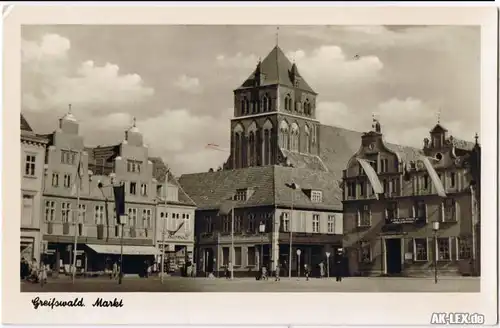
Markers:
point(114, 273)
point(321, 269)
point(306, 271)
point(277, 272)
point(339, 261)
point(226, 272)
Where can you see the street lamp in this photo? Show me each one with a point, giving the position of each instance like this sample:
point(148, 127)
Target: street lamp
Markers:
point(435, 229)
point(119, 195)
point(293, 186)
point(298, 262)
point(262, 230)
point(328, 262)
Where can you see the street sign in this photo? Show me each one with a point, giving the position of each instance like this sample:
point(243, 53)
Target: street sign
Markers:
point(298, 252)
point(327, 254)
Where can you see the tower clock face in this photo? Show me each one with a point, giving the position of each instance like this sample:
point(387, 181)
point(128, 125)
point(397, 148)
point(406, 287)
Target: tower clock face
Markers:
point(371, 146)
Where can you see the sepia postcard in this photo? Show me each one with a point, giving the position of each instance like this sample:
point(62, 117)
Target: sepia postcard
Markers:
point(184, 165)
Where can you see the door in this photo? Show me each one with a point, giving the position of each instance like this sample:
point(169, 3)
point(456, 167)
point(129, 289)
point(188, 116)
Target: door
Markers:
point(393, 255)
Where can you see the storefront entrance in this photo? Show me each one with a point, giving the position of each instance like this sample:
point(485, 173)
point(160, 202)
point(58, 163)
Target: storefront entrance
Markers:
point(393, 256)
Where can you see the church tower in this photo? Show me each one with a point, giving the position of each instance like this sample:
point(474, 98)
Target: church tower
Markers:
point(274, 115)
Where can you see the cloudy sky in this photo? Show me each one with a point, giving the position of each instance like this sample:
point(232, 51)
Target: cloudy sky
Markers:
point(178, 80)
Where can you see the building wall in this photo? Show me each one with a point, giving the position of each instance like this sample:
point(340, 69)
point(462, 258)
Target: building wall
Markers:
point(31, 195)
point(166, 222)
point(407, 233)
point(405, 185)
point(250, 243)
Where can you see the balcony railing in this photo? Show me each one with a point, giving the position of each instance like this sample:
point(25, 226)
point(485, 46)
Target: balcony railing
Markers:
point(96, 231)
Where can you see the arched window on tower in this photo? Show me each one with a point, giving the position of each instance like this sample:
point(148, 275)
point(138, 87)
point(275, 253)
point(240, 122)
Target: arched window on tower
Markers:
point(307, 107)
point(284, 135)
point(242, 106)
point(264, 104)
point(269, 104)
point(288, 102)
point(251, 148)
point(267, 143)
point(237, 150)
point(307, 141)
point(294, 137)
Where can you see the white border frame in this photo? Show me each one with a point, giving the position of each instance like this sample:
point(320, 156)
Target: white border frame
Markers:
point(287, 308)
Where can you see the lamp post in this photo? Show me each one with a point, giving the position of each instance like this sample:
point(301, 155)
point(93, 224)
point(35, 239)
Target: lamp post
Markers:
point(262, 230)
point(328, 263)
point(435, 229)
point(122, 217)
point(293, 186)
point(298, 262)
point(164, 219)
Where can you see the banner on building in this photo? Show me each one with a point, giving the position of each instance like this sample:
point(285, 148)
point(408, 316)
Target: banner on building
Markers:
point(372, 176)
point(436, 181)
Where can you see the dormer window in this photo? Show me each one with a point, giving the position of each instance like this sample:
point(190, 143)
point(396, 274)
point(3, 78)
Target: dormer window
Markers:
point(68, 157)
point(134, 166)
point(241, 195)
point(438, 141)
point(316, 196)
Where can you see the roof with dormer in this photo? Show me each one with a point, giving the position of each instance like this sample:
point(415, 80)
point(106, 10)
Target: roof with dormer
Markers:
point(269, 183)
point(163, 175)
point(277, 69)
point(27, 133)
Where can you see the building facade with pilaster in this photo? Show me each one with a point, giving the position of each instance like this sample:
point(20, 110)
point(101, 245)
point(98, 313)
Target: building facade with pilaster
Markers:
point(32, 170)
point(392, 233)
point(88, 210)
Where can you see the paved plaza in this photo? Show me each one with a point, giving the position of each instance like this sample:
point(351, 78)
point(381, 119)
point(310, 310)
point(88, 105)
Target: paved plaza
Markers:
point(180, 284)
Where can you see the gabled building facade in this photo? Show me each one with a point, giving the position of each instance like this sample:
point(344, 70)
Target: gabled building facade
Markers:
point(276, 141)
point(392, 233)
point(32, 176)
point(174, 220)
point(90, 211)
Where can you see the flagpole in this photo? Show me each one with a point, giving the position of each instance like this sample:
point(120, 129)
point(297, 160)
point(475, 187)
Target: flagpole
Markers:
point(78, 185)
point(232, 243)
point(290, 246)
point(163, 249)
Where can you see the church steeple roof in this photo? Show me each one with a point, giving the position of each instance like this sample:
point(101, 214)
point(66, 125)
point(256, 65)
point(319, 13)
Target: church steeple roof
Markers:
point(276, 69)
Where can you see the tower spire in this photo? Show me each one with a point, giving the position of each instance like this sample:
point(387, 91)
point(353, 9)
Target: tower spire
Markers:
point(69, 109)
point(439, 116)
point(277, 36)
point(134, 122)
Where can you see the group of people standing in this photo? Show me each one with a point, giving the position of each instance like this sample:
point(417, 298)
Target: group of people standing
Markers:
point(30, 271)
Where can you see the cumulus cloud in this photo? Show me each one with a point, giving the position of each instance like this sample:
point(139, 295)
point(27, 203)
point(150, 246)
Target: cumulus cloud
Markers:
point(50, 82)
point(172, 134)
point(329, 66)
point(50, 46)
point(188, 84)
point(238, 61)
point(404, 121)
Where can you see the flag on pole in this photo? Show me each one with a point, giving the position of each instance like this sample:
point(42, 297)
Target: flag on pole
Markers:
point(173, 232)
point(436, 181)
point(372, 176)
point(226, 207)
point(79, 175)
point(119, 193)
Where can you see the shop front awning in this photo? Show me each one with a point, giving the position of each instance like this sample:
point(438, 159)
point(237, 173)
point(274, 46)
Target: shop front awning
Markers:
point(127, 249)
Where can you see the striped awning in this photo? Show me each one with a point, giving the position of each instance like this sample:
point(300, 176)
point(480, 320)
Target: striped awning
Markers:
point(127, 249)
point(372, 176)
